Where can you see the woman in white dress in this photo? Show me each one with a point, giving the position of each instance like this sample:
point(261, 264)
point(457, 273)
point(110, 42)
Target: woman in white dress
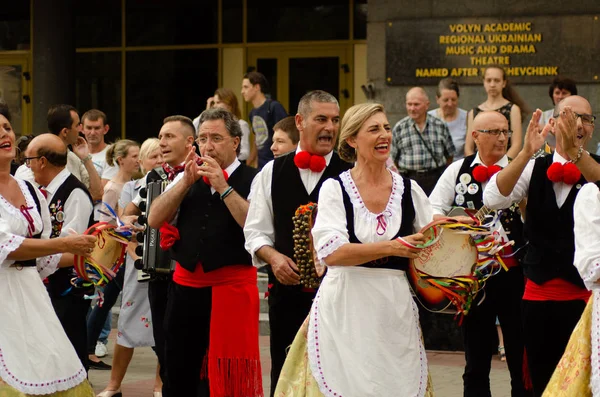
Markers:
point(363, 336)
point(135, 320)
point(36, 356)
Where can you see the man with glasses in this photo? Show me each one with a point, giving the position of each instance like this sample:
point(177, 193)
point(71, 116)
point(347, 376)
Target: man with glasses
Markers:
point(462, 185)
point(70, 206)
point(422, 146)
point(555, 294)
point(212, 309)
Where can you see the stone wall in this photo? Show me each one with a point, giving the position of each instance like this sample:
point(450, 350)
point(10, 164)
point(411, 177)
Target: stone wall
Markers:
point(535, 95)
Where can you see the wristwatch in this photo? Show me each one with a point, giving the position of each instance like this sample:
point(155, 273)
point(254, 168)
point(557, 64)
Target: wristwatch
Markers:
point(86, 158)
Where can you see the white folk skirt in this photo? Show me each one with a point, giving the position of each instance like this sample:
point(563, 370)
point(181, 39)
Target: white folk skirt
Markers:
point(36, 357)
point(364, 337)
point(135, 320)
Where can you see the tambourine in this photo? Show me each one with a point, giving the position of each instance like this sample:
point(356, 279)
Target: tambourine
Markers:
point(107, 256)
point(454, 264)
point(305, 256)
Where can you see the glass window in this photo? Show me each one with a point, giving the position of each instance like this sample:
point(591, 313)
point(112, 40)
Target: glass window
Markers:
point(233, 24)
point(166, 22)
point(98, 23)
point(14, 25)
point(293, 20)
point(165, 83)
point(308, 74)
point(268, 67)
point(360, 19)
point(11, 93)
point(98, 86)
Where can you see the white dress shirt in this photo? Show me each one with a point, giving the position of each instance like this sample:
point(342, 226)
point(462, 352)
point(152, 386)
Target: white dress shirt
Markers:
point(587, 235)
point(259, 229)
point(493, 199)
point(77, 207)
point(331, 230)
point(442, 196)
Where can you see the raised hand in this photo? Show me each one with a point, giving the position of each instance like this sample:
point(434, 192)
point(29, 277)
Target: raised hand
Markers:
point(535, 135)
point(212, 170)
point(191, 171)
point(80, 148)
point(568, 131)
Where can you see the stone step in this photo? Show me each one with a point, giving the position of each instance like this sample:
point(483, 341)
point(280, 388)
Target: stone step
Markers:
point(264, 303)
point(263, 324)
point(263, 283)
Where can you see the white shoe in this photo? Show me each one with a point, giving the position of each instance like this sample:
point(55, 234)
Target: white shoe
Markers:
point(101, 350)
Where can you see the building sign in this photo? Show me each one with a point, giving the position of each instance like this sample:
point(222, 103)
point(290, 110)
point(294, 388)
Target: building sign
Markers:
point(530, 49)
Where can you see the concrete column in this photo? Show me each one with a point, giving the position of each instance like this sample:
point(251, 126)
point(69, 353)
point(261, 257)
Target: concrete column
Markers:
point(53, 57)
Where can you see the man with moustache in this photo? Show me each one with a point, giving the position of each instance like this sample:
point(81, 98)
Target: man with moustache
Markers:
point(212, 311)
point(422, 146)
point(461, 185)
point(70, 206)
point(176, 140)
point(555, 294)
point(282, 186)
point(63, 121)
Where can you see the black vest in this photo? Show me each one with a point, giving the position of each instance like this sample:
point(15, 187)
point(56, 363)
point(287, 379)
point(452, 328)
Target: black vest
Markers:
point(32, 262)
point(208, 232)
point(406, 227)
point(59, 283)
point(549, 229)
point(473, 199)
point(288, 193)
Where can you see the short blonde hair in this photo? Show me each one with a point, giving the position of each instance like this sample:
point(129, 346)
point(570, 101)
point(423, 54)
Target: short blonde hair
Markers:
point(149, 146)
point(353, 119)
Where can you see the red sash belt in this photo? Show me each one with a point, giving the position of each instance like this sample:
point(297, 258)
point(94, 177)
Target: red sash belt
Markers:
point(233, 357)
point(556, 289)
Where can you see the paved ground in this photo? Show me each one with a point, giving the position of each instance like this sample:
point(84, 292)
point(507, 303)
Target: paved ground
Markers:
point(446, 371)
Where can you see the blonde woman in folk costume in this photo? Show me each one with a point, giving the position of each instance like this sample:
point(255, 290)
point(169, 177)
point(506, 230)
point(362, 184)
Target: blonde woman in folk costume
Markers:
point(36, 355)
point(365, 292)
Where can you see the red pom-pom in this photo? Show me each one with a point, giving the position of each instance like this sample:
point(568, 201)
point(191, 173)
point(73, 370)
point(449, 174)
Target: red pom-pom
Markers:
point(317, 163)
point(302, 160)
point(480, 173)
point(555, 172)
point(571, 174)
point(169, 235)
point(494, 169)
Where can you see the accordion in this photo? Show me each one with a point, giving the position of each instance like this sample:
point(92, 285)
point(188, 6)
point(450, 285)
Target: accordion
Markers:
point(154, 260)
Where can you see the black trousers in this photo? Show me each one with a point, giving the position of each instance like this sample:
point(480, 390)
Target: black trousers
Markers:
point(187, 325)
point(288, 308)
point(502, 298)
point(72, 312)
point(98, 316)
point(547, 328)
point(158, 294)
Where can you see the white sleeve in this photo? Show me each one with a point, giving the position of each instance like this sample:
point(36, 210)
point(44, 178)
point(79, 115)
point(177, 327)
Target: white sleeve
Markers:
point(78, 209)
point(245, 141)
point(423, 209)
point(330, 230)
point(25, 173)
point(259, 229)
point(442, 196)
point(492, 198)
point(174, 182)
point(9, 241)
point(586, 214)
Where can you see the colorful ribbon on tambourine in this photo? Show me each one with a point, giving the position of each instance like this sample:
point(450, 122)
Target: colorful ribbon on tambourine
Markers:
point(461, 291)
point(89, 270)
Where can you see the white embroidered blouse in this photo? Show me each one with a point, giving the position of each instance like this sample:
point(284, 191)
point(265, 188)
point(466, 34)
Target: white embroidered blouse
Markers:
point(14, 228)
point(330, 230)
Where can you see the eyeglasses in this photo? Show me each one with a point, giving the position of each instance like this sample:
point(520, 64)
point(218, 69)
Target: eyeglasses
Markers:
point(496, 133)
point(27, 160)
point(586, 119)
